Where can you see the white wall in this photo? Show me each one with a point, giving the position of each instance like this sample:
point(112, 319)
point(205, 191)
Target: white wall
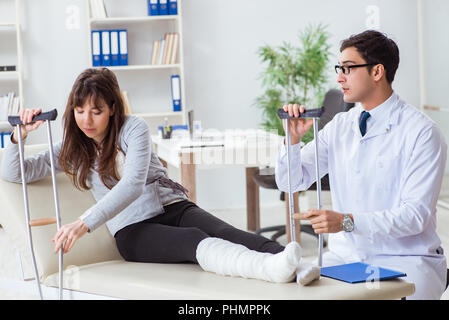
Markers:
point(222, 66)
point(436, 67)
point(221, 63)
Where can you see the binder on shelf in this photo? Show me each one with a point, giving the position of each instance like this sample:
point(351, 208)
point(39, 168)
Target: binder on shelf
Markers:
point(3, 134)
point(123, 44)
point(105, 48)
point(96, 48)
point(153, 8)
point(163, 7)
point(176, 92)
point(114, 48)
point(172, 7)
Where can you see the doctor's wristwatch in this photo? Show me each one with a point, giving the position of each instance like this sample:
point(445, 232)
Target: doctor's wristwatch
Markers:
point(348, 224)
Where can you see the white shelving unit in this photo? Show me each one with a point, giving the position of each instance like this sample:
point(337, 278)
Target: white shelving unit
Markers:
point(148, 86)
point(11, 31)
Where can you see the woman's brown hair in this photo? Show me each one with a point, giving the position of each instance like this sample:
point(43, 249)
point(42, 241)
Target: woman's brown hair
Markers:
point(78, 152)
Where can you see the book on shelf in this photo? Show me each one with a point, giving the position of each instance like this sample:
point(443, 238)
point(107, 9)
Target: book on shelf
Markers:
point(9, 105)
point(167, 39)
point(156, 48)
point(98, 9)
point(126, 103)
point(161, 52)
point(165, 50)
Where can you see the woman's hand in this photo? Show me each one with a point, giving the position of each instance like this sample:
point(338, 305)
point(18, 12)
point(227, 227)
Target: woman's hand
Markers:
point(26, 116)
point(69, 233)
point(297, 127)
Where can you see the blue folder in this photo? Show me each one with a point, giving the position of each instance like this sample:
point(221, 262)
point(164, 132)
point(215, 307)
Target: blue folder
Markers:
point(176, 92)
point(173, 7)
point(105, 48)
point(163, 7)
point(96, 48)
point(153, 8)
point(359, 272)
point(114, 47)
point(123, 47)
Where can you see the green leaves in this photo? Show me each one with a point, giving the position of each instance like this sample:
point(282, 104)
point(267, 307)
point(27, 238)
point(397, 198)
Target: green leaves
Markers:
point(294, 75)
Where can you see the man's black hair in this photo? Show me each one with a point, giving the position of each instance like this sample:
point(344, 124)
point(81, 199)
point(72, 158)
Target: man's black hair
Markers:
point(375, 47)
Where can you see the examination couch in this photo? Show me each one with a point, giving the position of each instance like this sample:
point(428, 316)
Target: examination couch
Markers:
point(95, 267)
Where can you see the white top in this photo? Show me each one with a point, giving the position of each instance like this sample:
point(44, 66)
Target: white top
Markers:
point(389, 179)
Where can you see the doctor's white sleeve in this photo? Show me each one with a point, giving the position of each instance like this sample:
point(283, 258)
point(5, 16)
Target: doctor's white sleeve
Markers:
point(302, 168)
point(419, 190)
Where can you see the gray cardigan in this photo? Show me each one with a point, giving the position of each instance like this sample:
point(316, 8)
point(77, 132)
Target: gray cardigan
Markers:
point(140, 193)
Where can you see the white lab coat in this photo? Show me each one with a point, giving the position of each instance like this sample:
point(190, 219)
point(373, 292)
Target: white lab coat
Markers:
point(389, 180)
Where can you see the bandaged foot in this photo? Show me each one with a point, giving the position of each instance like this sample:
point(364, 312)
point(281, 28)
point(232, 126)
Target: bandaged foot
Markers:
point(306, 273)
point(226, 258)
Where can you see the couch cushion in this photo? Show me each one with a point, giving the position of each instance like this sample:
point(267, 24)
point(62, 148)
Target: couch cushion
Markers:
point(95, 247)
point(131, 280)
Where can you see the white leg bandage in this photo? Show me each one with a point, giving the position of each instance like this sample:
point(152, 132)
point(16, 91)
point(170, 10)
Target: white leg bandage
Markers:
point(226, 258)
point(306, 273)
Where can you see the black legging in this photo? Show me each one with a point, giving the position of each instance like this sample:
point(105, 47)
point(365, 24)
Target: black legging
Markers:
point(173, 236)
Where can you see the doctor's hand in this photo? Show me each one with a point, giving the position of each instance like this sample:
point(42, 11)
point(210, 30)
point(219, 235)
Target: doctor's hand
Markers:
point(69, 233)
point(297, 127)
point(324, 221)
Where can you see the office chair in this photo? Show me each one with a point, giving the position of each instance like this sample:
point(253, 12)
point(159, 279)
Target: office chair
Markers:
point(333, 104)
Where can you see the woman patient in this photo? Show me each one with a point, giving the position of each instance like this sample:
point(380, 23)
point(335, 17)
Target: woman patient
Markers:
point(149, 215)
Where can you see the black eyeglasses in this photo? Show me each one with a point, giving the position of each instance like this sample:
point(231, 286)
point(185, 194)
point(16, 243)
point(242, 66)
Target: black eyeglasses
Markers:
point(347, 69)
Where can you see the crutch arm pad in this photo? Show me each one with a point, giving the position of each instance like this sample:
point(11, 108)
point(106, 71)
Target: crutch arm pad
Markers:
point(312, 113)
point(49, 115)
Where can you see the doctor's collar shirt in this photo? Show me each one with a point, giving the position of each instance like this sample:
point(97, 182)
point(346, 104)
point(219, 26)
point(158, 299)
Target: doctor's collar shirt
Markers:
point(389, 179)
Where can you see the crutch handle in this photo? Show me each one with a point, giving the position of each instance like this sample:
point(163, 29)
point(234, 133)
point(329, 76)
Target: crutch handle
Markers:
point(299, 216)
point(312, 113)
point(42, 222)
point(50, 115)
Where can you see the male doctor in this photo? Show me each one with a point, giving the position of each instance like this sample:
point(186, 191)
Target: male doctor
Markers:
point(385, 161)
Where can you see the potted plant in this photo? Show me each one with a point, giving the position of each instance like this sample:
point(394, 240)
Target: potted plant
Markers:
point(294, 74)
